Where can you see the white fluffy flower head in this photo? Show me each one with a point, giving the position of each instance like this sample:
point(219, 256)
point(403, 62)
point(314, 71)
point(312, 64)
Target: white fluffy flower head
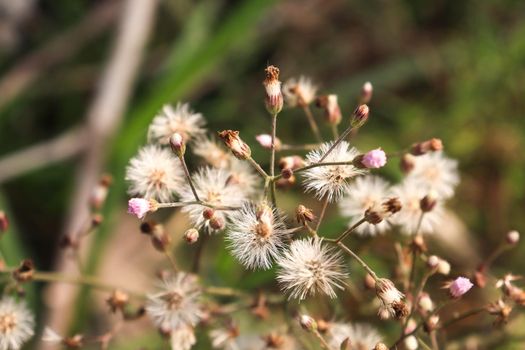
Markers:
point(212, 152)
point(176, 304)
point(16, 324)
point(435, 172)
point(256, 235)
point(181, 120)
point(365, 192)
point(213, 186)
point(154, 174)
point(361, 336)
point(310, 268)
point(332, 180)
point(299, 91)
point(182, 338)
point(410, 195)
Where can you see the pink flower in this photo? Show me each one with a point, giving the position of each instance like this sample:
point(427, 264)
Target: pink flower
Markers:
point(265, 140)
point(139, 207)
point(374, 159)
point(459, 286)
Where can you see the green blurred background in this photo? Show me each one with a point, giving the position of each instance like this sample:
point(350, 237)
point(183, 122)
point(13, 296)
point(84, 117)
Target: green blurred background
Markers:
point(447, 69)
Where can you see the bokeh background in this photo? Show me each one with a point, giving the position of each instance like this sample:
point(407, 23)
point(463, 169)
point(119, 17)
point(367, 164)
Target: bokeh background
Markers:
point(447, 69)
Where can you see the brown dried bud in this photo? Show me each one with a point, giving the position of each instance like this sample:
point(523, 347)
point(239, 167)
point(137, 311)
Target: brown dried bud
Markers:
point(147, 227)
point(291, 162)
point(407, 163)
point(501, 310)
point(285, 183)
point(117, 300)
point(274, 341)
point(431, 324)
point(360, 116)
point(380, 346)
point(304, 214)
point(160, 239)
point(374, 216)
point(480, 278)
point(392, 205)
point(287, 173)
point(274, 97)
point(208, 213)
point(74, 342)
point(322, 325)
point(217, 223)
point(238, 147)
point(332, 111)
point(191, 236)
point(24, 272)
point(177, 144)
point(4, 222)
point(401, 309)
point(366, 92)
point(428, 202)
point(431, 145)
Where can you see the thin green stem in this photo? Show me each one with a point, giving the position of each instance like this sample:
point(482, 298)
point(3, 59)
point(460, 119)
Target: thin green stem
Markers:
point(306, 147)
point(171, 259)
point(321, 215)
point(350, 230)
point(321, 339)
point(337, 142)
point(313, 123)
point(311, 166)
point(188, 177)
point(335, 131)
point(359, 260)
point(423, 344)
point(257, 167)
point(204, 204)
point(272, 159)
point(463, 316)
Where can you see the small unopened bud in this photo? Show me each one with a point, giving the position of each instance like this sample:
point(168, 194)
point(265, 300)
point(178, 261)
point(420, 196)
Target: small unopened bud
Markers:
point(217, 222)
point(191, 236)
point(98, 196)
point(304, 214)
point(4, 222)
point(424, 147)
point(428, 202)
point(392, 205)
point(208, 213)
point(139, 207)
point(443, 267)
point(374, 159)
point(265, 140)
point(459, 287)
point(238, 147)
point(407, 163)
point(24, 272)
point(332, 111)
point(380, 346)
point(160, 239)
point(177, 144)
point(274, 97)
point(418, 244)
point(411, 343)
point(322, 325)
point(431, 324)
point(285, 183)
point(117, 300)
point(366, 92)
point(287, 173)
point(360, 116)
point(433, 262)
point(374, 215)
point(425, 302)
point(308, 323)
point(291, 162)
point(512, 237)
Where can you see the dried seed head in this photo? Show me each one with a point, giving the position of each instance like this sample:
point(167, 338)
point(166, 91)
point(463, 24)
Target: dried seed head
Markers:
point(272, 85)
point(177, 144)
point(308, 323)
point(360, 116)
point(374, 215)
point(407, 163)
point(117, 300)
point(428, 202)
point(392, 205)
point(512, 237)
point(4, 222)
point(191, 236)
point(304, 214)
point(24, 272)
point(233, 141)
point(501, 310)
point(424, 147)
point(366, 92)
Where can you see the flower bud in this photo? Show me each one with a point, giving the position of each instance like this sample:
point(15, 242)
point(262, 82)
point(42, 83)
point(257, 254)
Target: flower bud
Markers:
point(285, 183)
point(160, 239)
point(304, 214)
point(217, 223)
point(4, 222)
point(433, 262)
point(431, 324)
point(443, 267)
point(291, 162)
point(332, 111)
point(208, 213)
point(380, 346)
point(418, 244)
point(139, 207)
point(431, 145)
point(265, 140)
point(24, 272)
point(512, 237)
point(366, 92)
point(238, 147)
point(287, 173)
point(191, 236)
point(374, 215)
point(117, 300)
point(425, 302)
point(360, 116)
point(274, 97)
point(407, 163)
point(374, 159)
point(428, 202)
point(177, 144)
point(459, 287)
point(411, 343)
point(308, 323)
point(392, 205)
point(322, 325)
